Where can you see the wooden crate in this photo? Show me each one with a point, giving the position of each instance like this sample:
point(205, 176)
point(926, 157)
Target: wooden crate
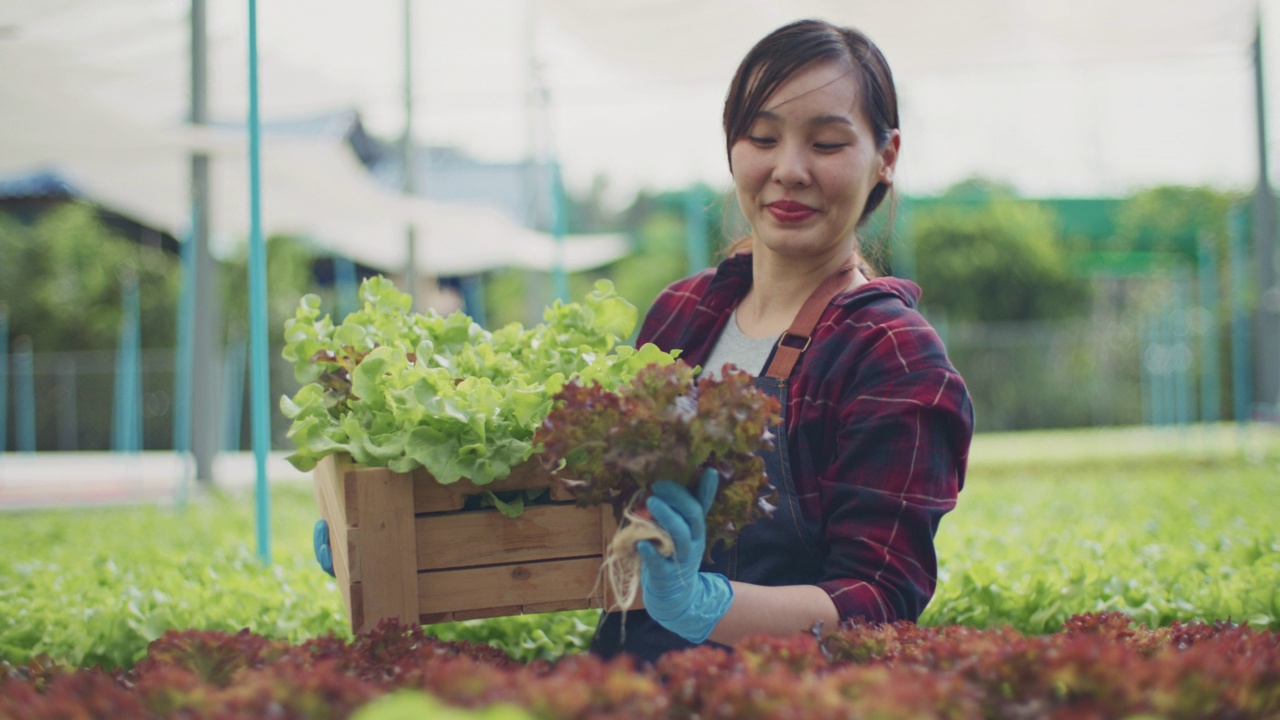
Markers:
point(404, 547)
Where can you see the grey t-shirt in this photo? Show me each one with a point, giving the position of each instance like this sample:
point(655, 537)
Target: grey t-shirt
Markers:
point(747, 353)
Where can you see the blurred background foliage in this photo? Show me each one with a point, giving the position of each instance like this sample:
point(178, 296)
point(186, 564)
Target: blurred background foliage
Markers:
point(1051, 292)
point(61, 277)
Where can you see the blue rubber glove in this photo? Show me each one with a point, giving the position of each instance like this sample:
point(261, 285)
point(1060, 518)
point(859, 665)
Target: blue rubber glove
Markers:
point(685, 601)
point(320, 541)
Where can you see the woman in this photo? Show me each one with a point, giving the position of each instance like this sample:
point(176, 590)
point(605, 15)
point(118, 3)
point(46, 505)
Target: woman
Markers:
point(876, 422)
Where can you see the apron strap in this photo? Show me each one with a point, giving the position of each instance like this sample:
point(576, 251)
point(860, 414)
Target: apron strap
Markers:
point(795, 340)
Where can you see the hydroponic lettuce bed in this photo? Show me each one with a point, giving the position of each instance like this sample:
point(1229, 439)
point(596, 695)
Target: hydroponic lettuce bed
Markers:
point(1099, 666)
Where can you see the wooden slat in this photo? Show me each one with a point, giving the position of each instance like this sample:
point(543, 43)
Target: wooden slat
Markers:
point(356, 609)
point(329, 480)
point(486, 537)
point(531, 608)
point(486, 613)
point(497, 586)
point(430, 496)
point(434, 618)
point(387, 550)
point(353, 552)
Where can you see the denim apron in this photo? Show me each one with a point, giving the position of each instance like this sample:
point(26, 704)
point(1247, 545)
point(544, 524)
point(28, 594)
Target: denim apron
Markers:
point(785, 549)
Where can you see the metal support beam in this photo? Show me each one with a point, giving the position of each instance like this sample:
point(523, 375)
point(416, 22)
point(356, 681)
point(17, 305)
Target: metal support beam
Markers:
point(206, 398)
point(406, 150)
point(1266, 319)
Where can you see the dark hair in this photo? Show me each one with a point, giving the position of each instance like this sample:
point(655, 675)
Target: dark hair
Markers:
point(791, 48)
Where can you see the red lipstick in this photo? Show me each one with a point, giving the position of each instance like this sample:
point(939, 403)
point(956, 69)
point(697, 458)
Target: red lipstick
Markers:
point(789, 211)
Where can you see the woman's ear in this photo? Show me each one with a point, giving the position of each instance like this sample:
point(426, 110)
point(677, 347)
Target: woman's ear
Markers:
point(889, 157)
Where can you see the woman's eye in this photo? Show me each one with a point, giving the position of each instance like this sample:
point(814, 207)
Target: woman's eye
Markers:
point(829, 147)
point(761, 139)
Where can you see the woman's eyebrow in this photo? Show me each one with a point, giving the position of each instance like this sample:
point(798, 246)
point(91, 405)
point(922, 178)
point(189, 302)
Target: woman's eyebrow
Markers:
point(817, 121)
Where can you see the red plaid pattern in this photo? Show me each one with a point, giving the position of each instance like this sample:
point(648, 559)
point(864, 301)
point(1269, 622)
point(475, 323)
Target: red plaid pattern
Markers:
point(878, 430)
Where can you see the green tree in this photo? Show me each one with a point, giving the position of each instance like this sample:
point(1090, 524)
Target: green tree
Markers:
point(289, 277)
point(995, 260)
point(61, 279)
point(1173, 218)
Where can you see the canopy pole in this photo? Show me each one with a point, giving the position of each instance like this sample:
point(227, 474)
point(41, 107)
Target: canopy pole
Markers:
point(1267, 311)
point(259, 381)
point(406, 150)
point(126, 431)
point(559, 226)
point(4, 377)
point(206, 397)
point(182, 386)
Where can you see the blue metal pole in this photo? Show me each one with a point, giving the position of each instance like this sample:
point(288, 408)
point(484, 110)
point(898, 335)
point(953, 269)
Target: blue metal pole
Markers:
point(904, 255)
point(1210, 365)
point(259, 380)
point(134, 307)
point(184, 357)
point(345, 286)
point(1144, 373)
point(124, 432)
point(1241, 368)
point(233, 380)
point(472, 287)
point(1181, 348)
point(24, 396)
point(695, 229)
point(1168, 339)
point(118, 390)
point(1155, 355)
point(559, 227)
point(4, 378)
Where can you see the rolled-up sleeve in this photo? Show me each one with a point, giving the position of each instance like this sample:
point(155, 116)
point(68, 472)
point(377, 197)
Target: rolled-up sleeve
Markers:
point(902, 449)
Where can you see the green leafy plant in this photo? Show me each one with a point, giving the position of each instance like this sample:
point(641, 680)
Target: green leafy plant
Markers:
point(405, 390)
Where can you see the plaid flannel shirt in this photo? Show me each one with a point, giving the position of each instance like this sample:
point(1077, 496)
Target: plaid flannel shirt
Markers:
point(878, 430)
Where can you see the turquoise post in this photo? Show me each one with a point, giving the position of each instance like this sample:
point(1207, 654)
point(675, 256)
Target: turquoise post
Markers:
point(1181, 348)
point(559, 227)
point(695, 229)
point(904, 254)
point(472, 288)
point(233, 382)
point(1241, 367)
point(134, 305)
point(259, 379)
point(126, 430)
point(24, 396)
point(1210, 367)
point(1146, 383)
point(1169, 342)
point(183, 359)
point(4, 378)
point(345, 286)
point(1159, 358)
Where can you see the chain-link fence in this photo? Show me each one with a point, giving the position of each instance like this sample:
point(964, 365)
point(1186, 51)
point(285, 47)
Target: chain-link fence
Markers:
point(1141, 368)
point(74, 401)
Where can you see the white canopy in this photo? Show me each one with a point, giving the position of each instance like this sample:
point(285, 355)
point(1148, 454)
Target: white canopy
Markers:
point(1067, 97)
point(313, 186)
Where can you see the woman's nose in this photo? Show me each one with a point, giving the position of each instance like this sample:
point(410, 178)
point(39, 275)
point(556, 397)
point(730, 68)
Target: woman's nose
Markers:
point(791, 165)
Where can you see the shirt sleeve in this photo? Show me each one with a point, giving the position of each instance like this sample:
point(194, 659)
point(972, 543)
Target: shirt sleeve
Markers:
point(902, 449)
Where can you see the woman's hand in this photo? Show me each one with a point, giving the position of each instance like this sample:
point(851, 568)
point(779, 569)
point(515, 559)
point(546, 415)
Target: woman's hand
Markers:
point(320, 541)
point(682, 599)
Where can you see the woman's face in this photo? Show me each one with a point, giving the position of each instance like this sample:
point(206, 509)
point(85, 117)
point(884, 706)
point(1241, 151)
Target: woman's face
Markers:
point(806, 166)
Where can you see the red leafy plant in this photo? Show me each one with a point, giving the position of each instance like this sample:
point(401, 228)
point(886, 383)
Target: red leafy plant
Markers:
point(610, 446)
point(1100, 666)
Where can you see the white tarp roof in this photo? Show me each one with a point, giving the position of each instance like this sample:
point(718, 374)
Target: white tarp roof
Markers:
point(313, 186)
point(1070, 97)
